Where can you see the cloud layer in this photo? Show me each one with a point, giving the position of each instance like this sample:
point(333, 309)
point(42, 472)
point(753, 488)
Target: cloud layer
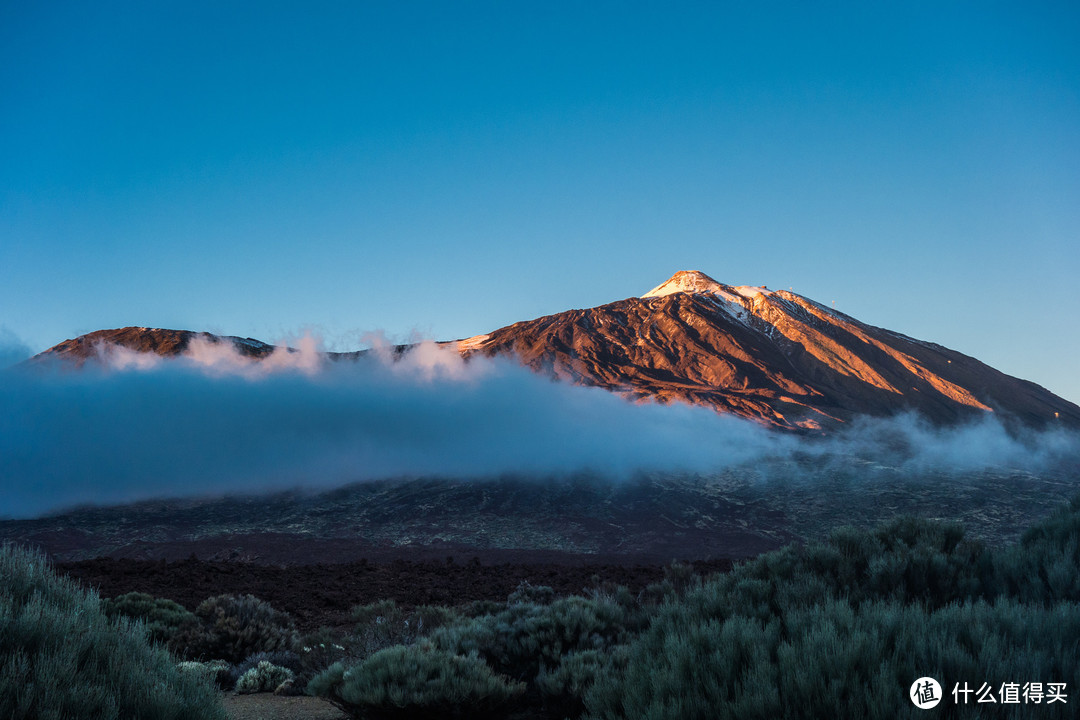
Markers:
point(139, 426)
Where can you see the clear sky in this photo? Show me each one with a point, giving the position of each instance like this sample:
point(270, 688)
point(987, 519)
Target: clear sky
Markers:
point(448, 168)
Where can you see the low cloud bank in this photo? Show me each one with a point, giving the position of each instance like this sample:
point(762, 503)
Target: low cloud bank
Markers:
point(12, 349)
point(137, 426)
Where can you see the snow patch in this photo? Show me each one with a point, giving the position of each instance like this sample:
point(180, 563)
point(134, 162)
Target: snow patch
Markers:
point(472, 343)
point(694, 281)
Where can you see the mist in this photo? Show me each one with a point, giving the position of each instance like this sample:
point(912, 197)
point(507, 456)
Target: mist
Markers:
point(12, 349)
point(136, 426)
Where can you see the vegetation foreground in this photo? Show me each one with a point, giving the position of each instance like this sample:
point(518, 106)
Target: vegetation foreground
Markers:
point(837, 629)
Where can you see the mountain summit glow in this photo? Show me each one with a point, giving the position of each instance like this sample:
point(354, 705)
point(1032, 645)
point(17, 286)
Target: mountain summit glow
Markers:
point(695, 281)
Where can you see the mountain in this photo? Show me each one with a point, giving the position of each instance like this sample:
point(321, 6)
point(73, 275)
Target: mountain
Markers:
point(167, 343)
point(163, 342)
point(772, 356)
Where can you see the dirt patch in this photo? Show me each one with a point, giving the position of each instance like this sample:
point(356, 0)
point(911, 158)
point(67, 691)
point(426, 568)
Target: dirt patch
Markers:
point(265, 706)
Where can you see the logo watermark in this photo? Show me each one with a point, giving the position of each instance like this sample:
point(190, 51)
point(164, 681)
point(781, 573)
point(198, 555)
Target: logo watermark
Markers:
point(925, 693)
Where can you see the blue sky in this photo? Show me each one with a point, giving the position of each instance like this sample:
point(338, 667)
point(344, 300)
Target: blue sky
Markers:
point(448, 168)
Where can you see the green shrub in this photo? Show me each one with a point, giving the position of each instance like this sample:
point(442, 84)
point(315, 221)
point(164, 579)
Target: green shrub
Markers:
point(62, 658)
point(233, 627)
point(383, 624)
point(286, 659)
point(479, 608)
point(522, 636)
point(907, 559)
point(841, 628)
point(376, 613)
point(322, 648)
point(163, 618)
point(430, 617)
point(218, 672)
point(418, 681)
point(380, 625)
point(562, 688)
point(264, 677)
point(1042, 567)
point(742, 647)
point(527, 592)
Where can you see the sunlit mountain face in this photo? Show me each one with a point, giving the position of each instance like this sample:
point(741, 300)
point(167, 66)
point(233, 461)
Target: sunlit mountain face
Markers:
point(773, 356)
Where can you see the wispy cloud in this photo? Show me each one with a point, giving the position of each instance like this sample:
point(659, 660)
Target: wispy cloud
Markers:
point(213, 421)
point(12, 349)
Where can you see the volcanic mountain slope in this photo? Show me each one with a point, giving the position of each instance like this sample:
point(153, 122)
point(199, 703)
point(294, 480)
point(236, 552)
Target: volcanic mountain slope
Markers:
point(771, 356)
point(167, 343)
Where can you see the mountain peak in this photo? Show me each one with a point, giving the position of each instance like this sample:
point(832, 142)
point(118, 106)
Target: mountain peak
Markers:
point(695, 281)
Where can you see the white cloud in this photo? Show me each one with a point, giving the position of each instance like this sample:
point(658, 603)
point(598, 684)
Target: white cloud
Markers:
point(214, 421)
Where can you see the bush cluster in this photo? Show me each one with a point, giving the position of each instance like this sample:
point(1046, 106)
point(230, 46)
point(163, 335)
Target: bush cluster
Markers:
point(417, 681)
point(163, 618)
point(837, 628)
point(264, 677)
point(1044, 567)
point(284, 659)
point(383, 624)
point(524, 635)
point(841, 628)
point(234, 627)
point(61, 657)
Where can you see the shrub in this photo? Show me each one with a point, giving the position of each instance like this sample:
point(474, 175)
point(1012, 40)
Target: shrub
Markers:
point(1042, 567)
point(376, 613)
point(841, 629)
point(383, 624)
point(418, 681)
point(62, 658)
point(521, 637)
point(562, 688)
point(286, 659)
point(906, 560)
point(233, 627)
point(430, 617)
point(527, 592)
point(163, 618)
point(479, 608)
point(264, 677)
point(219, 672)
point(320, 649)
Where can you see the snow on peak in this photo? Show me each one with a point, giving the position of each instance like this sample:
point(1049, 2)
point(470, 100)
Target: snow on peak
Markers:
point(472, 343)
point(695, 281)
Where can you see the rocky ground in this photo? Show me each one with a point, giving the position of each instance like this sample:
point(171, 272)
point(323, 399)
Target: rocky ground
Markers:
point(322, 595)
point(651, 519)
